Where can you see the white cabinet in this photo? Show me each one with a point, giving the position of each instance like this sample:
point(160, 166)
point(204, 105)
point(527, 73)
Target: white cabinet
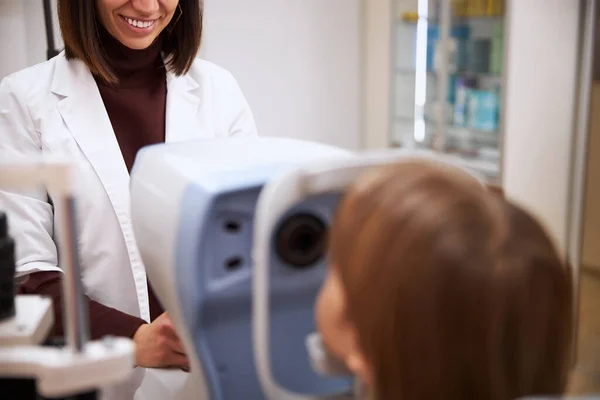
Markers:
point(448, 79)
point(530, 148)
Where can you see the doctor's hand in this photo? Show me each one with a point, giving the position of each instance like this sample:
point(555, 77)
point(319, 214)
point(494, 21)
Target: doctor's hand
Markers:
point(157, 345)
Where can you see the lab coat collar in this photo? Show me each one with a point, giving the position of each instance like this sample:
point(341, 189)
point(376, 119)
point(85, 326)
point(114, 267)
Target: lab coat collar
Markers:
point(84, 111)
point(69, 74)
point(183, 102)
point(84, 114)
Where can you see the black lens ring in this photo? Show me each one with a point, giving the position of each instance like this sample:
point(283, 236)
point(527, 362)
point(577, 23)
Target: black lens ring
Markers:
point(301, 240)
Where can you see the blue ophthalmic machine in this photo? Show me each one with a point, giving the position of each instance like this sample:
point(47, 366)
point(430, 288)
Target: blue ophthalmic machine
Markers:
point(233, 236)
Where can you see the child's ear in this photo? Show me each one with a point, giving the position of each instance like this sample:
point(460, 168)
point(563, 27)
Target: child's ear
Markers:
point(357, 363)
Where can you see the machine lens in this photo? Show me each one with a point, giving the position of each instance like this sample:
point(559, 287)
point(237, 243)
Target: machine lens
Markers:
point(301, 240)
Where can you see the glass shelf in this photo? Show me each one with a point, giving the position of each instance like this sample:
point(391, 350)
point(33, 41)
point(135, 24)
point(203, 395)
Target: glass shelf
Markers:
point(460, 10)
point(403, 20)
point(447, 90)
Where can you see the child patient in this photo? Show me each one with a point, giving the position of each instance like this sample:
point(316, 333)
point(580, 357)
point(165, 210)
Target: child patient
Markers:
point(439, 289)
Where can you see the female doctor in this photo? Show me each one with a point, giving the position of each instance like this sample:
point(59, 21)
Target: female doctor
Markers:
point(128, 77)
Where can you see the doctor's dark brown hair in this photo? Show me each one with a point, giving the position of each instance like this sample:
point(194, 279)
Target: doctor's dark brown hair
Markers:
point(79, 28)
point(454, 292)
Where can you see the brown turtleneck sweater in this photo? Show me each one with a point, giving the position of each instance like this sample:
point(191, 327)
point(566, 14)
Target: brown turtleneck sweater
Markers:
point(136, 108)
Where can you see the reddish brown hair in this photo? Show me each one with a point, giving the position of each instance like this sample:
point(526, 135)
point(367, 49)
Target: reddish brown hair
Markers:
point(79, 28)
point(455, 292)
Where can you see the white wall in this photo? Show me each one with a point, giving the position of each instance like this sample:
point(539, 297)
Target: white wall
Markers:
point(377, 73)
point(298, 62)
point(12, 37)
point(23, 34)
point(542, 46)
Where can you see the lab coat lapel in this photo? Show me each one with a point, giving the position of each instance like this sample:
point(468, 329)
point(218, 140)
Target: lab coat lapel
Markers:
point(183, 102)
point(85, 115)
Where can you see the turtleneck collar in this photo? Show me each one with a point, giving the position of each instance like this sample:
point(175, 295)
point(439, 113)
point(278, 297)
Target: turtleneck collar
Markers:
point(134, 68)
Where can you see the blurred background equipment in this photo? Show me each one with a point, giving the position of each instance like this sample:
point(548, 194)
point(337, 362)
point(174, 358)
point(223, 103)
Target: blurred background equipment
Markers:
point(32, 364)
point(448, 78)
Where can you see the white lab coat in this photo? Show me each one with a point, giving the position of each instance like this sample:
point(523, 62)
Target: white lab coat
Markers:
point(55, 108)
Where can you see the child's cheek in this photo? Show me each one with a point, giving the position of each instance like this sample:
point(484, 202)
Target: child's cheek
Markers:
point(329, 316)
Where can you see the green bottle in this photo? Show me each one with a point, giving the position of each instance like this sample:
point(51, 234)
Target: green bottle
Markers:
point(497, 51)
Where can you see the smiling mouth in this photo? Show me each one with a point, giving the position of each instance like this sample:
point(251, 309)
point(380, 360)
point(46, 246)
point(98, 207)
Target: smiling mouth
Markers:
point(136, 23)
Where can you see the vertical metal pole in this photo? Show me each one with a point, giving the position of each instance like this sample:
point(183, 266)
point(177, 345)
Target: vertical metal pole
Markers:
point(56, 177)
point(580, 153)
point(75, 316)
point(443, 74)
point(51, 50)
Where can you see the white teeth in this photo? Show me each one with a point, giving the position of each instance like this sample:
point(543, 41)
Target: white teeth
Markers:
point(139, 24)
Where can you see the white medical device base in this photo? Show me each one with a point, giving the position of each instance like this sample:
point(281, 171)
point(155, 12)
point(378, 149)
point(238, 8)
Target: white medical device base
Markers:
point(31, 324)
point(81, 366)
point(60, 373)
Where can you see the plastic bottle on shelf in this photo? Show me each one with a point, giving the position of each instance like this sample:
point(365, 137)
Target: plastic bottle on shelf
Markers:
point(452, 60)
point(464, 88)
point(459, 8)
point(473, 108)
point(497, 49)
point(451, 98)
point(479, 55)
point(485, 117)
point(461, 33)
point(497, 7)
point(471, 8)
point(490, 8)
point(410, 16)
point(457, 56)
point(481, 8)
point(433, 33)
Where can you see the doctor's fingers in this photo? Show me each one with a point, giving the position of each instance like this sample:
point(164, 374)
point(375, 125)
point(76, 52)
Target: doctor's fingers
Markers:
point(176, 346)
point(178, 360)
point(167, 329)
